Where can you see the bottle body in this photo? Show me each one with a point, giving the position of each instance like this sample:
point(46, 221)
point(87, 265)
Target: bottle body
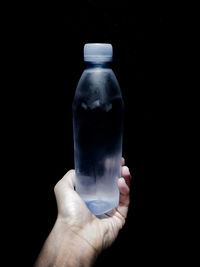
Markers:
point(98, 127)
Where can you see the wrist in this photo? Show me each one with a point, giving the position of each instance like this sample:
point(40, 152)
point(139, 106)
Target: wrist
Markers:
point(71, 247)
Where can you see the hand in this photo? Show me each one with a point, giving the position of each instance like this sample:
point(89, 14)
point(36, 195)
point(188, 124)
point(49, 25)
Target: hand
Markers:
point(78, 228)
point(72, 212)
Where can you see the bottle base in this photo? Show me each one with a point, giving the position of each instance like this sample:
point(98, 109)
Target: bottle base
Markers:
point(99, 207)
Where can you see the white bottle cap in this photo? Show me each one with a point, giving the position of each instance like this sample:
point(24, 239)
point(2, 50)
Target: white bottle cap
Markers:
point(98, 52)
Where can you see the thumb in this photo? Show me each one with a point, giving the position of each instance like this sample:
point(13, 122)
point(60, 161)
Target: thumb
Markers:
point(66, 183)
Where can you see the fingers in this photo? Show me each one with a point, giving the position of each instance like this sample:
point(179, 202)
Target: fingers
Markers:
point(123, 161)
point(124, 192)
point(124, 188)
point(126, 175)
point(124, 198)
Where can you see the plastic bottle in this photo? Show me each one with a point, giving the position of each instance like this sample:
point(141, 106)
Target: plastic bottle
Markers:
point(98, 126)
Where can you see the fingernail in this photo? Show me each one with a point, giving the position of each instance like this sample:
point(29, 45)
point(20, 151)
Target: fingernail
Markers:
point(125, 168)
point(121, 180)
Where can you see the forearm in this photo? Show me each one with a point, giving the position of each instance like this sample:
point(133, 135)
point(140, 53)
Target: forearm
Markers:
point(64, 248)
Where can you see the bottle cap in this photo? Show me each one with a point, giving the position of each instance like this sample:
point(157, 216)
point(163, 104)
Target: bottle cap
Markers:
point(98, 52)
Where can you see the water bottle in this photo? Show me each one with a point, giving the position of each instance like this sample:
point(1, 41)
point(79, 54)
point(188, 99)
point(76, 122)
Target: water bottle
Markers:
point(97, 128)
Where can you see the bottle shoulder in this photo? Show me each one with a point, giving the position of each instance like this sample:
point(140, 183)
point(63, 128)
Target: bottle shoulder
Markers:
point(98, 71)
point(93, 75)
point(102, 80)
point(97, 87)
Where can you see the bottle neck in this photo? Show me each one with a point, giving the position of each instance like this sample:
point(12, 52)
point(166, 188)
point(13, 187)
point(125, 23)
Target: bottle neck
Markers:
point(98, 65)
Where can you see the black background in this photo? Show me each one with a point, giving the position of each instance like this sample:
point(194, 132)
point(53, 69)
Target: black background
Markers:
point(48, 59)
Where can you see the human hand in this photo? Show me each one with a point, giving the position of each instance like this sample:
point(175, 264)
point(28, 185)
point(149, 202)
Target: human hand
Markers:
point(82, 234)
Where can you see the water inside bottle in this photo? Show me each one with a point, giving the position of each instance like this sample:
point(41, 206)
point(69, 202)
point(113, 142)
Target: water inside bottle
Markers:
point(98, 144)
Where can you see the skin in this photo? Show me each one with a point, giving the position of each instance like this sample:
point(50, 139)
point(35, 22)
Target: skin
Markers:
point(78, 236)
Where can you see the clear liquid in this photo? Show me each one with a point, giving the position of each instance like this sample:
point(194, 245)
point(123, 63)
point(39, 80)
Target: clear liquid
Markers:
point(97, 147)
